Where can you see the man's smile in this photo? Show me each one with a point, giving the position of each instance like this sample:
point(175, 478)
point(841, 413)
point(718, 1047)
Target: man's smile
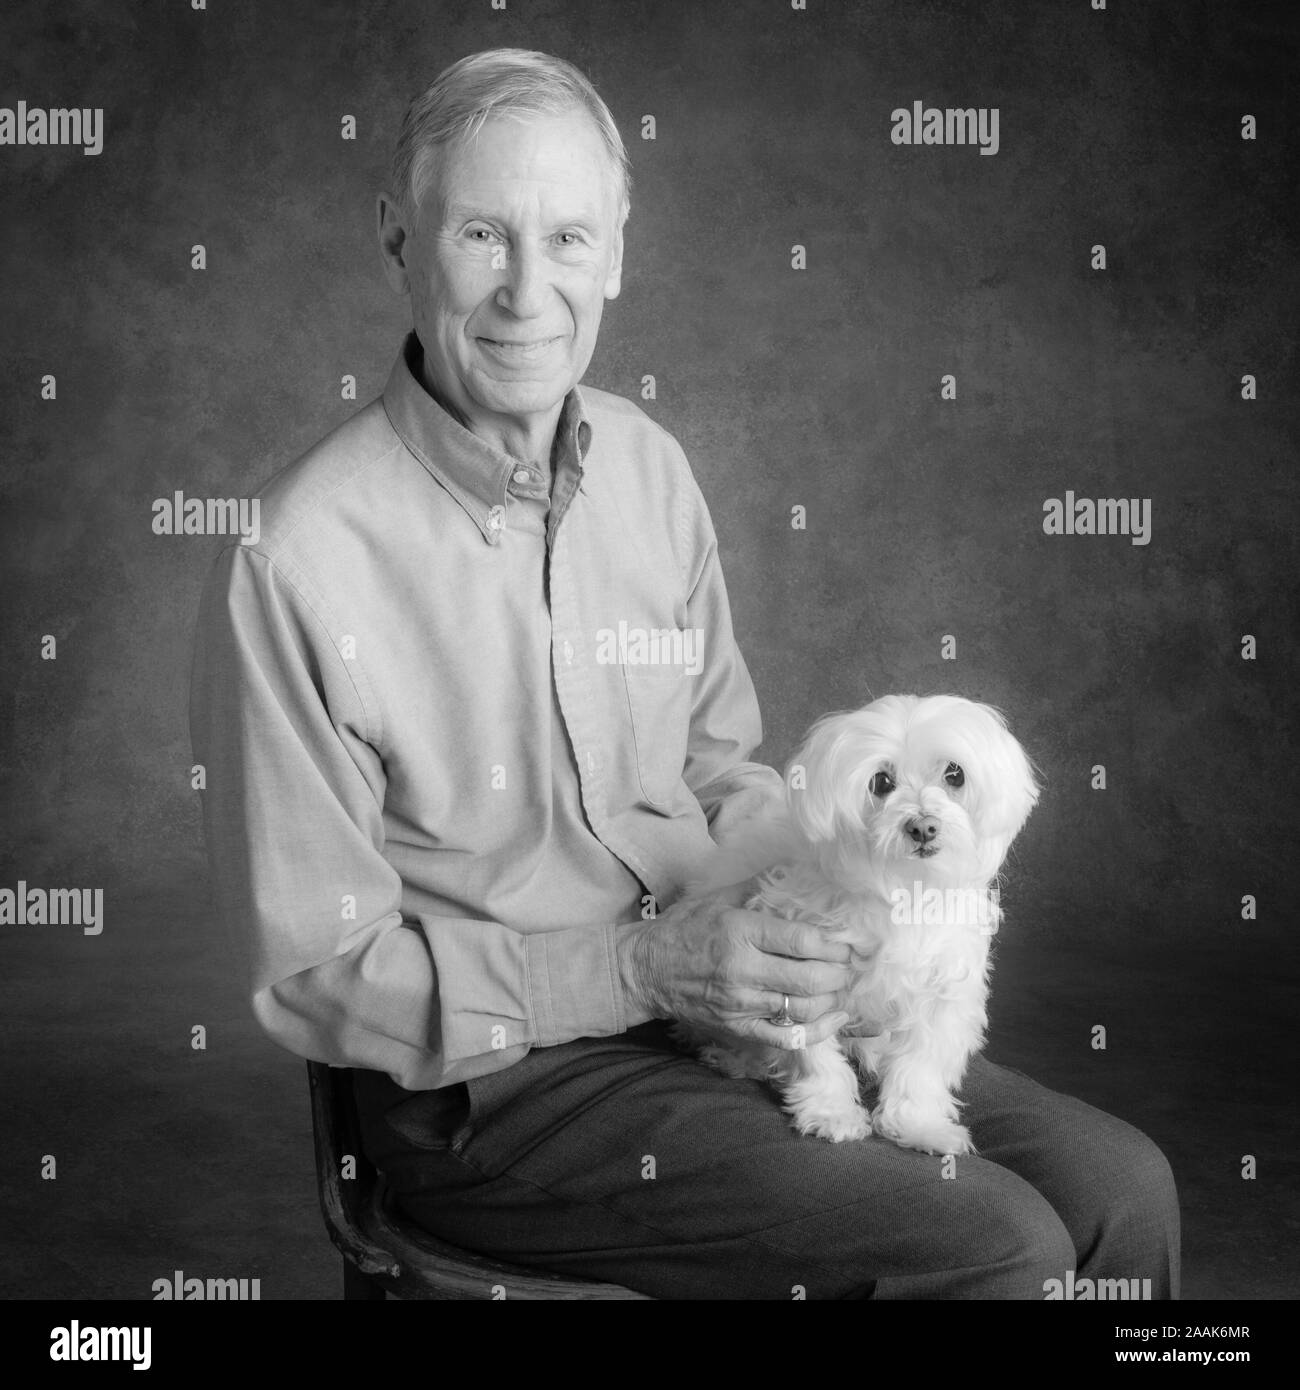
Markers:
point(519, 350)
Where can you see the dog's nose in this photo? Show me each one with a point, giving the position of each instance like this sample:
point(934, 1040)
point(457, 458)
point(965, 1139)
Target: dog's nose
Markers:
point(922, 829)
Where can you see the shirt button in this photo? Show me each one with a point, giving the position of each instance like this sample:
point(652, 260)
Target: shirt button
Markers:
point(496, 518)
point(522, 475)
point(568, 652)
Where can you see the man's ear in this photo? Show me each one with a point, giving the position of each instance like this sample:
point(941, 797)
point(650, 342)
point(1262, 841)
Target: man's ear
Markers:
point(614, 280)
point(393, 243)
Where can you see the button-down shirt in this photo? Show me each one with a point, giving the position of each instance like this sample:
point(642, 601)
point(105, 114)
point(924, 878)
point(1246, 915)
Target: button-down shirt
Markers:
point(462, 717)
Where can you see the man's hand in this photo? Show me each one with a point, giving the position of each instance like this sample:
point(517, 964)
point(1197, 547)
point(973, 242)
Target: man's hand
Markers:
point(723, 967)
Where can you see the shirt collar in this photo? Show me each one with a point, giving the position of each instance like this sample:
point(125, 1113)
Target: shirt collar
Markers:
point(477, 475)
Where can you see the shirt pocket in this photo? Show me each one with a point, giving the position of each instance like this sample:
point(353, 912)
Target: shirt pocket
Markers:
point(659, 700)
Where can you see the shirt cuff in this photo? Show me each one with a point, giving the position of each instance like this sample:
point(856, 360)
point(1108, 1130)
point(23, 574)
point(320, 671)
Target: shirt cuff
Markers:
point(573, 984)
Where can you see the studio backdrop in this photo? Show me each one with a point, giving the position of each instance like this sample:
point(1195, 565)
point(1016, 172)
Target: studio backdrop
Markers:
point(977, 323)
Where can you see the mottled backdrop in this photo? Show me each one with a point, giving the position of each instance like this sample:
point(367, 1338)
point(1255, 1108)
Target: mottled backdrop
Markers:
point(817, 388)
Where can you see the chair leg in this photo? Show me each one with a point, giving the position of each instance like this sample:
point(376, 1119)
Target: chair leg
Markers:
point(358, 1286)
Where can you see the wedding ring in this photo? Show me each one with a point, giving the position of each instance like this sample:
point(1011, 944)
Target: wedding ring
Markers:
point(783, 1019)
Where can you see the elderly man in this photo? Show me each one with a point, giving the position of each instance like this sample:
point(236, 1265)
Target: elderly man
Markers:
point(453, 821)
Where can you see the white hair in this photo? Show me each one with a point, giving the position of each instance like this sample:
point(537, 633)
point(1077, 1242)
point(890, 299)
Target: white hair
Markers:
point(497, 82)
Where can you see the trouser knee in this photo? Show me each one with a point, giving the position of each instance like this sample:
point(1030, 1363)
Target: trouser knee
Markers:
point(1001, 1239)
point(1027, 1247)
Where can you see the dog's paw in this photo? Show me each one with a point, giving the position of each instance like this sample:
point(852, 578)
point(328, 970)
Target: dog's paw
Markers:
point(928, 1134)
point(835, 1125)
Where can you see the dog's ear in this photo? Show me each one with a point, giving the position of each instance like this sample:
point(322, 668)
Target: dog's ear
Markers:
point(810, 784)
point(829, 779)
point(1005, 788)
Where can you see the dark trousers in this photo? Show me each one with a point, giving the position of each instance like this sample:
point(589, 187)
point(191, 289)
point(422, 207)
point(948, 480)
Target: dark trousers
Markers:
point(624, 1160)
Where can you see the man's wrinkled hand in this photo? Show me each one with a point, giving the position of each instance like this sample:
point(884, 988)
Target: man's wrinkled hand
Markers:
point(712, 963)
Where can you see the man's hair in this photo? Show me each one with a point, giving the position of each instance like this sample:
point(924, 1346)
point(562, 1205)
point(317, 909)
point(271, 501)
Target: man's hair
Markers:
point(498, 82)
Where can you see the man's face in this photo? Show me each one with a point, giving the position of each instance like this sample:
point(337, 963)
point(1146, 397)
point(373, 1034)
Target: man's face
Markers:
point(514, 252)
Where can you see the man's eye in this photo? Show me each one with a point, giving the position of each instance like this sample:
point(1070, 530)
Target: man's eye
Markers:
point(572, 241)
point(953, 775)
point(882, 784)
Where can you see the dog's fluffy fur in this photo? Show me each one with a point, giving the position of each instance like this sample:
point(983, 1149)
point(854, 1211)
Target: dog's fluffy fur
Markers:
point(908, 802)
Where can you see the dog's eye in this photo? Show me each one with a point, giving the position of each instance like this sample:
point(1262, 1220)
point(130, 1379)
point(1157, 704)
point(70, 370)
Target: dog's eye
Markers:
point(882, 784)
point(953, 775)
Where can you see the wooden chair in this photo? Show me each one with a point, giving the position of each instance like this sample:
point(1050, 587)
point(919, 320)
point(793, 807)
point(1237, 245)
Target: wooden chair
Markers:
point(385, 1253)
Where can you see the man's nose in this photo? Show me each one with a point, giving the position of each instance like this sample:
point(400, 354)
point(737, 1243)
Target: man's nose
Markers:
point(922, 829)
point(523, 291)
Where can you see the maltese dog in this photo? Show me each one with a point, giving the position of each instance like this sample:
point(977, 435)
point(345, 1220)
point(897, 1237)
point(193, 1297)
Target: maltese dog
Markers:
point(898, 818)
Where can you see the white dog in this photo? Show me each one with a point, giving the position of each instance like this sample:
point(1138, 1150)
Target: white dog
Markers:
point(899, 818)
